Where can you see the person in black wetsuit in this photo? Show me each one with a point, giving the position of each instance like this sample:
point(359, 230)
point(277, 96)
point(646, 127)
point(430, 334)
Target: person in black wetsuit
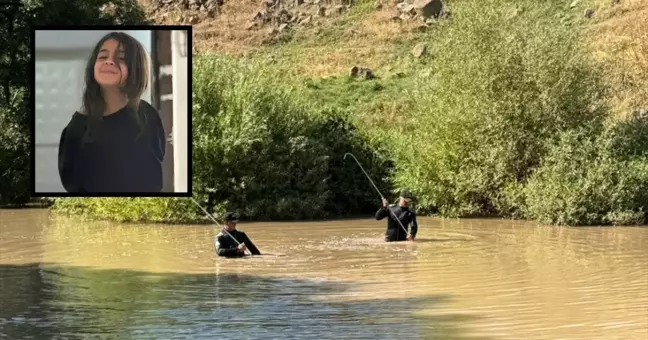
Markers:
point(116, 142)
point(226, 246)
point(395, 231)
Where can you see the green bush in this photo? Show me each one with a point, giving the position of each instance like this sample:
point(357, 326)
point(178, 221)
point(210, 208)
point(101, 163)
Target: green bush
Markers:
point(593, 180)
point(133, 210)
point(266, 151)
point(86, 12)
point(14, 160)
point(504, 79)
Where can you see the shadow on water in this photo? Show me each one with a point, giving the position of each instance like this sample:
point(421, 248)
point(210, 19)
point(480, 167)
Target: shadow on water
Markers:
point(47, 301)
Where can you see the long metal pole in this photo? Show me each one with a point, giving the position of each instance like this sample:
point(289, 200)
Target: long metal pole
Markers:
point(374, 185)
point(222, 229)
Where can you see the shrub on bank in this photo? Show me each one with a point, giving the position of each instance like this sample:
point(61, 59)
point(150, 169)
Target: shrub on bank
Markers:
point(131, 210)
point(506, 77)
point(593, 179)
point(262, 148)
point(14, 164)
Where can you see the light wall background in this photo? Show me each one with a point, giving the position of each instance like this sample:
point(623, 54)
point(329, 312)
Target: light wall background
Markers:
point(61, 57)
point(180, 64)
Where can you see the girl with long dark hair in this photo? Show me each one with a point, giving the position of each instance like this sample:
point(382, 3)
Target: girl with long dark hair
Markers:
point(116, 142)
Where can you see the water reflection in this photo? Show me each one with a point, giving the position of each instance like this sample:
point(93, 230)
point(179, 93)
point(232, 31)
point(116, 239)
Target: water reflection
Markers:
point(48, 301)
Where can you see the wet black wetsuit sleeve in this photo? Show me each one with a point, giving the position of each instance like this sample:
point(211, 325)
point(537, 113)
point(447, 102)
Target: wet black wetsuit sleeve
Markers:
point(69, 152)
point(381, 213)
point(413, 226)
point(224, 248)
point(248, 243)
point(158, 148)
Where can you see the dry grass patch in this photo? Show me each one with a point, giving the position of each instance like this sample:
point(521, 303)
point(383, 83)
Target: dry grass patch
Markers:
point(619, 42)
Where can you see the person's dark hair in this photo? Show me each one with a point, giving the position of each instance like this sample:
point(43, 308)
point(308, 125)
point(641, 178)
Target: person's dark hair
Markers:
point(136, 60)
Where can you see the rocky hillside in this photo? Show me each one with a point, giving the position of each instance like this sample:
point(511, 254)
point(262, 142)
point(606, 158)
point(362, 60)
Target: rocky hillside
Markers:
point(282, 14)
point(322, 38)
point(236, 26)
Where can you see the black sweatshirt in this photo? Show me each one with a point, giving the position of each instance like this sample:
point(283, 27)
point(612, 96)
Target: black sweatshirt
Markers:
point(227, 247)
point(394, 230)
point(119, 161)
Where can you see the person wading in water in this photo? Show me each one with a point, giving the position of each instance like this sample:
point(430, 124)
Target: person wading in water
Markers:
point(228, 247)
point(397, 231)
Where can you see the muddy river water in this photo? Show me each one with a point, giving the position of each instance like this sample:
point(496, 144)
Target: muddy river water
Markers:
point(474, 279)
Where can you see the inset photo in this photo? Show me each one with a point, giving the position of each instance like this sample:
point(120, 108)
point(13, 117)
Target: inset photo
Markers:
point(111, 111)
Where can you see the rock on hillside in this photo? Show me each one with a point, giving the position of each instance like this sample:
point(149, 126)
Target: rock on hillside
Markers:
point(425, 10)
point(278, 13)
point(182, 11)
point(284, 14)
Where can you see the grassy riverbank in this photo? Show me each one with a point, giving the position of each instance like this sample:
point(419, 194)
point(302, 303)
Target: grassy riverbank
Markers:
point(516, 109)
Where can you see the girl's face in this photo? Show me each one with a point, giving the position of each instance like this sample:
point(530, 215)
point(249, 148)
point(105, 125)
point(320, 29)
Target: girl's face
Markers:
point(110, 67)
